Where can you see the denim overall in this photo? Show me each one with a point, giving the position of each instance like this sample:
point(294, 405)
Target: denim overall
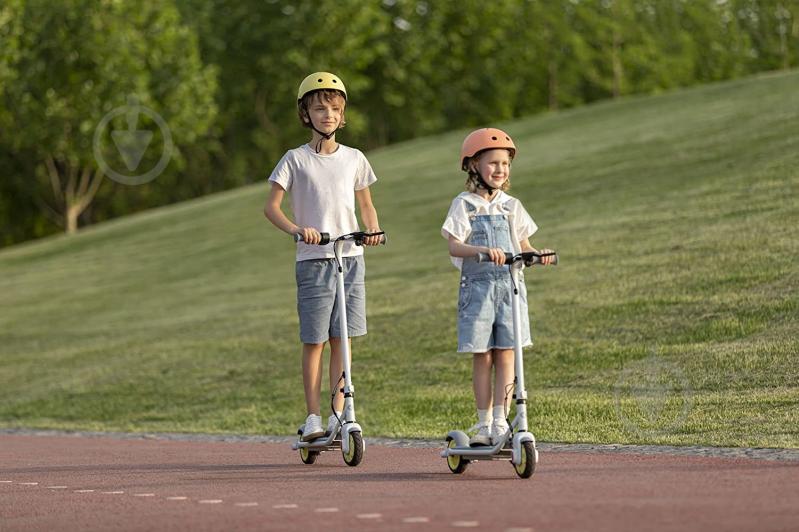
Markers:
point(485, 314)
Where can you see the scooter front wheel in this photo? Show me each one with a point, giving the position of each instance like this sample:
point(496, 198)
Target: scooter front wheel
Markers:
point(307, 456)
point(526, 467)
point(456, 463)
point(355, 454)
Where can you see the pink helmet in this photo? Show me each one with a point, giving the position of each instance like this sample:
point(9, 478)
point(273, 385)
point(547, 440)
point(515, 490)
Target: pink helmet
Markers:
point(488, 138)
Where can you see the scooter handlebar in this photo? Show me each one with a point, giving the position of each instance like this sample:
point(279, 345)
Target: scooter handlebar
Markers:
point(357, 237)
point(529, 257)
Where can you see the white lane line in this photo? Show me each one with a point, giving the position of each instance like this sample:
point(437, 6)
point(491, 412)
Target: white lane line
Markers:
point(115, 492)
point(144, 494)
point(283, 506)
point(519, 529)
point(29, 483)
point(326, 510)
point(178, 498)
point(210, 501)
point(369, 516)
point(6, 481)
point(416, 520)
point(57, 487)
point(246, 504)
point(83, 491)
point(466, 524)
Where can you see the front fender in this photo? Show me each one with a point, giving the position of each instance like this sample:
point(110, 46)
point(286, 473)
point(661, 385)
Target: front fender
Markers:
point(345, 436)
point(518, 439)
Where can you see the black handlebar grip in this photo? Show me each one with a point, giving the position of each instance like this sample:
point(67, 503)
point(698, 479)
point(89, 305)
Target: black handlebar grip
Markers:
point(535, 258)
point(325, 238)
point(485, 257)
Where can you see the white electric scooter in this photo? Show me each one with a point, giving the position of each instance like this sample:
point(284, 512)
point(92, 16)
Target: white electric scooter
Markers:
point(518, 444)
point(348, 435)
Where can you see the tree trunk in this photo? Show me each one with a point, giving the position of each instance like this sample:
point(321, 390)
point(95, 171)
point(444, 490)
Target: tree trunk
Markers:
point(74, 196)
point(618, 71)
point(552, 69)
point(71, 219)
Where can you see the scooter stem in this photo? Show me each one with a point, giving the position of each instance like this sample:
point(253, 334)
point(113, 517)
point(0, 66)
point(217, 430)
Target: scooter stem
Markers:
point(349, 404)
point(521, 394)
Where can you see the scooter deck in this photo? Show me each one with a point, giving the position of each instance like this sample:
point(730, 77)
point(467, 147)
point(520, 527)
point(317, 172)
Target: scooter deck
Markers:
point(322, 443)
point(481, 453)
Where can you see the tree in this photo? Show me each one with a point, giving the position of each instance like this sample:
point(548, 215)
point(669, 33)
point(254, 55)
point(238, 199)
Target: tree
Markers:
point(773, 30)
point(78, 60)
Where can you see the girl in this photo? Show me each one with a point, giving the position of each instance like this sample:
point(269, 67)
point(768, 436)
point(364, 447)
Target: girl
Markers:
point(485, 219)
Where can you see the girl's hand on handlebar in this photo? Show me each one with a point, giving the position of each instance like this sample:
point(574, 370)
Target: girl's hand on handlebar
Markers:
point(310, 235)
point(372, 240)
point(497, 255)
point(547, 260)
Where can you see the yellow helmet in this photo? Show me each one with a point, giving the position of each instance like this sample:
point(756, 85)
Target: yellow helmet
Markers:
point(320, 80)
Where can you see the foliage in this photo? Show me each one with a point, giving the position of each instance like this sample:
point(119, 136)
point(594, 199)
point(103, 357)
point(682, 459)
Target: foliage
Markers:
point(77, 60)
point(413, 67)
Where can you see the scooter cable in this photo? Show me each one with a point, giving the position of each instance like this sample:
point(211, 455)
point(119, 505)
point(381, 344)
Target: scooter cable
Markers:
point(333, 397)
point(508, 390)
point(512, 280)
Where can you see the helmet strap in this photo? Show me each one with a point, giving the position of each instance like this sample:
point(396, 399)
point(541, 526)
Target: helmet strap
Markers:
point(325, 136)
point(481, 183)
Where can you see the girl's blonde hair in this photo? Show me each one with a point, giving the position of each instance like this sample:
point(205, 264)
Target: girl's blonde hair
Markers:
point(473, 180)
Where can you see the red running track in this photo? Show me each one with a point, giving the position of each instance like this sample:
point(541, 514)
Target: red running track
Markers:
point(71, 483)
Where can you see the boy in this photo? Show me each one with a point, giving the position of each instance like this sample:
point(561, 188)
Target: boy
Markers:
point(325, 179)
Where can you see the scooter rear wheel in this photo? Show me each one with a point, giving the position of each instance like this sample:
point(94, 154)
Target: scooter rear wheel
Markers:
point(307, 456)
point(526, 468)
point(456, 463)
point(355, 454)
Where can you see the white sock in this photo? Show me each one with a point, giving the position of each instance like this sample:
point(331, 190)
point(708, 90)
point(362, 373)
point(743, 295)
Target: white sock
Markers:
point(483, 416)
point(498, 412)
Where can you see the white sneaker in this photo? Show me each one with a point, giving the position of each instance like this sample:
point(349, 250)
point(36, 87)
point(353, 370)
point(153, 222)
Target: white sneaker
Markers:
point(332, 424)
point(498, 429)
point(313, 428)
point(483, 435)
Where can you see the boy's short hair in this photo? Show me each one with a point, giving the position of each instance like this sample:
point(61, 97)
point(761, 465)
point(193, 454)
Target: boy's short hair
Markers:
point(473, 179)
point(323, 94)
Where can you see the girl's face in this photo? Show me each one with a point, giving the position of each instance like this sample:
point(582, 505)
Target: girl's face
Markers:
point(494, 166)
point(326, 113)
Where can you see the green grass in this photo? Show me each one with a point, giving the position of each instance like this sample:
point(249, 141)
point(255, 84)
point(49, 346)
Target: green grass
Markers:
point(672, 317)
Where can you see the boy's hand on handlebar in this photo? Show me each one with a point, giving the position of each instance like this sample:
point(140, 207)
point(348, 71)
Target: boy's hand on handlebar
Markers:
point(310, 235)
point(372, 240)
point(497, 255)
point(547, 260)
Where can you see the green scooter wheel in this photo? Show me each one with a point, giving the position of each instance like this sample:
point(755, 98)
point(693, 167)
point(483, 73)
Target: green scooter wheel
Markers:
point(355, 454)
point(526, 467)
point(307, 456)
point(456, 463)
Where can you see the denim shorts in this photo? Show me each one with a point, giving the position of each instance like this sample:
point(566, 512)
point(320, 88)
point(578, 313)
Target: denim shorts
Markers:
point(317, 306)
point(485, 314)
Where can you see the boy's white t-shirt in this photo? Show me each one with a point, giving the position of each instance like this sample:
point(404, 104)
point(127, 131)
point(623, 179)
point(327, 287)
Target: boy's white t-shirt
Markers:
point(458, 224)
point(322, 189)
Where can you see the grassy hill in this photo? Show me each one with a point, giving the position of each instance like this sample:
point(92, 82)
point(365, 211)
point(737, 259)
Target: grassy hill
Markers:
point(672, 317)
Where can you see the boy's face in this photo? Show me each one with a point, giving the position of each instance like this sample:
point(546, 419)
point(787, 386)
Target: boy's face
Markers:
point(326, 112)
point(494, 166)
